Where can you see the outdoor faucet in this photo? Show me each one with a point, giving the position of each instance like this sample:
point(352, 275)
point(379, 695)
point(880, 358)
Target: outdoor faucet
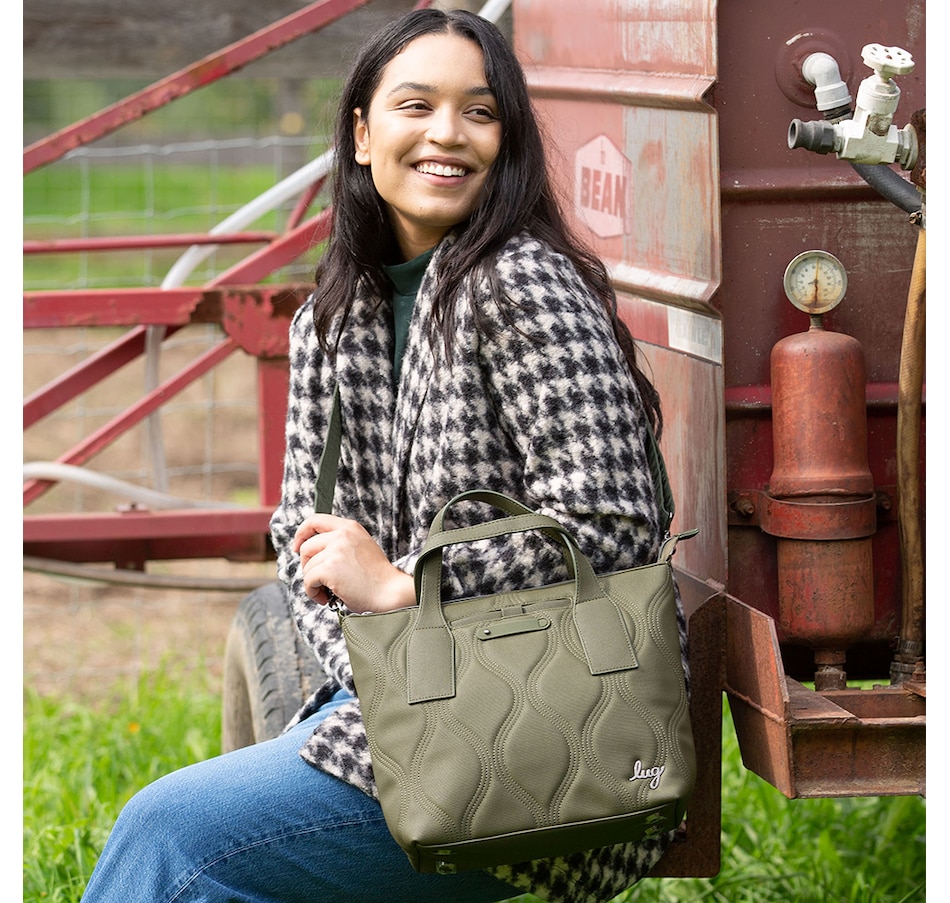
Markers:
point(867, 135)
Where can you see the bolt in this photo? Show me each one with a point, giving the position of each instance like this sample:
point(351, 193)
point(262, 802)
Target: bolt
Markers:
point(744, 506)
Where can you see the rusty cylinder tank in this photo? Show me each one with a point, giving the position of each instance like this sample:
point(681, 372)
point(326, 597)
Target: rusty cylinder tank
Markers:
point(820, 502)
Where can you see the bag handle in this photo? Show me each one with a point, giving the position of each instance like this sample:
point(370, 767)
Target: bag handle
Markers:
point(325, 484)
point(521, 519)
point(431, 650)
point(666, 507)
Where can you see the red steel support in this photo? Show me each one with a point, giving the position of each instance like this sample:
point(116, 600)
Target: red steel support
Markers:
point(812, 744)
point(110, 307)
point(696, 851)
point(150, 403)
point(85, 375)
point(143, 242)
point(211, 68)
point(131, 538)
point(285, 250)
point(273, 382)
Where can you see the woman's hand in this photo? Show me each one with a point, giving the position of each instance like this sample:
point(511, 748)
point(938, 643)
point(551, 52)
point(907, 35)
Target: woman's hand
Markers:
point(337, 555)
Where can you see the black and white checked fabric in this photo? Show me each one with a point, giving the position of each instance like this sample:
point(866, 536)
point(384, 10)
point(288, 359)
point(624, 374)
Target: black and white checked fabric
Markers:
point(545, 412)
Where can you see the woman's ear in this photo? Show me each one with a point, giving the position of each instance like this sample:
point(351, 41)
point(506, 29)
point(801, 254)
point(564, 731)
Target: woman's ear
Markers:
point(361, 137)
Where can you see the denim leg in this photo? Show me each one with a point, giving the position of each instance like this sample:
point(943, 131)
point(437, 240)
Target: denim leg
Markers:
point(260, 824)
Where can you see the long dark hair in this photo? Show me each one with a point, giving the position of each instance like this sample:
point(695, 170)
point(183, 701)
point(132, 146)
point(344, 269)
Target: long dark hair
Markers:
point(517, 197)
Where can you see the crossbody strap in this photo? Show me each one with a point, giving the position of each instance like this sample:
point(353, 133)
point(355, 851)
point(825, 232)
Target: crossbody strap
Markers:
point(661, 481)
point(329, 460)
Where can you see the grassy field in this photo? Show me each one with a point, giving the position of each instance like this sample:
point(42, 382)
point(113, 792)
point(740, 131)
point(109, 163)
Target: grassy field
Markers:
point(82, 762)
point(70, 201)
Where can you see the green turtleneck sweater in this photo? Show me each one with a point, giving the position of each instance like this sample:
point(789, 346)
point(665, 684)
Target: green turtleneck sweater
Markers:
point(406, 277)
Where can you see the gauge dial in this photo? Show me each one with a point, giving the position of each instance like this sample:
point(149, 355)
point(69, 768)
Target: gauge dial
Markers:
point(815, 281)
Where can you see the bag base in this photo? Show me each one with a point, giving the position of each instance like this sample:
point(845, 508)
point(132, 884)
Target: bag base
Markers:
point(546, 843)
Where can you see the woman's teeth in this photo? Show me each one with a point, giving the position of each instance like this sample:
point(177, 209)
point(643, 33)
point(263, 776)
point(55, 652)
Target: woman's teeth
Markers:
point(437, 169)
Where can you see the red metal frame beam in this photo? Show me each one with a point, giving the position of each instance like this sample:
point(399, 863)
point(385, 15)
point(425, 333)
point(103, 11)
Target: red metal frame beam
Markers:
point(131, 538)
point(165, 307)
point(273, 385)
point(285, 250)
point(84, 376)
point(258, 319)
point(304, 202)
point(254, 318)
point(144, 242)
point(110, 307)
point(212, 67)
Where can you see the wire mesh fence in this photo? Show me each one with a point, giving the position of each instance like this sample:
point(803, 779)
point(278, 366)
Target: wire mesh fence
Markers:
point(84, 636)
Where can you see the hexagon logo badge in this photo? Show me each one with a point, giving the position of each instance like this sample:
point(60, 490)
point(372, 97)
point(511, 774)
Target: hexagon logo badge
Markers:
point(601, 186)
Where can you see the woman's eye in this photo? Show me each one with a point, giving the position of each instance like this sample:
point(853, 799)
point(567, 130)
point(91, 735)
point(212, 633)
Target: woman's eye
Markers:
point(483, 114)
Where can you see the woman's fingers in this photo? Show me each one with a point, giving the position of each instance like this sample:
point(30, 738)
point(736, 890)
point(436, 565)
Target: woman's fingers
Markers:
point(339, 557)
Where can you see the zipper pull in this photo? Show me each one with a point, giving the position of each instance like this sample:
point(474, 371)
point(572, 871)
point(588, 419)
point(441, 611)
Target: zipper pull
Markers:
point(668, 547)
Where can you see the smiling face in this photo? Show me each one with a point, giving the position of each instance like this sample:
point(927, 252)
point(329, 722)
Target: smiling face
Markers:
point(430, 137)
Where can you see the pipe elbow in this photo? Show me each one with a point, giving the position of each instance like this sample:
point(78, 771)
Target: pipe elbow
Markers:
point(822, 71)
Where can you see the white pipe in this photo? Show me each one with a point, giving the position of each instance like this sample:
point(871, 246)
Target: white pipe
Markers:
point(293, 185)
point(81, 573)
point(159, 501)
point(154, 336)
point(493, 10)
point(821, 70)
point(284, 190)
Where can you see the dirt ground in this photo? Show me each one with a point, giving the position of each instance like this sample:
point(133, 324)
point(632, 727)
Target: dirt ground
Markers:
point(85, 638)
point(90, 641)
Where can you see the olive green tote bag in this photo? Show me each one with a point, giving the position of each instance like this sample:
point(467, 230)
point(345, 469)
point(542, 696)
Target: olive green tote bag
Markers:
point(527, 724)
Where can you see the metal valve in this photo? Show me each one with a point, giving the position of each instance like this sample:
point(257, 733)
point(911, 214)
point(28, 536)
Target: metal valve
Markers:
point(868, 136)
point(887, 61)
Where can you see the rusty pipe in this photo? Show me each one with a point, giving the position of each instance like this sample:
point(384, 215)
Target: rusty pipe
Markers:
point(910, 389)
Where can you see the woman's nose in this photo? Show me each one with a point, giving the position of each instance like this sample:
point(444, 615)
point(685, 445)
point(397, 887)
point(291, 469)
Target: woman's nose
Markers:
point(445, 128)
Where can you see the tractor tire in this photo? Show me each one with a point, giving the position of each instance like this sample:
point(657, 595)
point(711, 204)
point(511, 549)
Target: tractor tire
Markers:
point(268, 669)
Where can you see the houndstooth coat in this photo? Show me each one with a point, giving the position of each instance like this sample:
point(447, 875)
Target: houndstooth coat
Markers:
point(546, 413)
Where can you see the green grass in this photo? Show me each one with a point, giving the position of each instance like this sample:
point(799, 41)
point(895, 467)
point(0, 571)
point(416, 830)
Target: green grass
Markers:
point(61, 202)
point(128, 195)
point(82, 762)
point(229, 106)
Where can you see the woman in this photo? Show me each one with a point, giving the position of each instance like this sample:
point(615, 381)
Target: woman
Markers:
point(472, 344)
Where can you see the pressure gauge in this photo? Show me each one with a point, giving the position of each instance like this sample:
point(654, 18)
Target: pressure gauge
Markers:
point(815, 281)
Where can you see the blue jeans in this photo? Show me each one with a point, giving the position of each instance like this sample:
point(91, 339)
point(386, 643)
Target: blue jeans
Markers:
point(260, 824)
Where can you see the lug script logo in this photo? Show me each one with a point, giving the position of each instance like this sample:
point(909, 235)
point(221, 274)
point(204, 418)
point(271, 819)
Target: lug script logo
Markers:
point(652, 775)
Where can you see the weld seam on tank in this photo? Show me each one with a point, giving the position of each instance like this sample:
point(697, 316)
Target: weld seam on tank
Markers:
point(819, 518)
